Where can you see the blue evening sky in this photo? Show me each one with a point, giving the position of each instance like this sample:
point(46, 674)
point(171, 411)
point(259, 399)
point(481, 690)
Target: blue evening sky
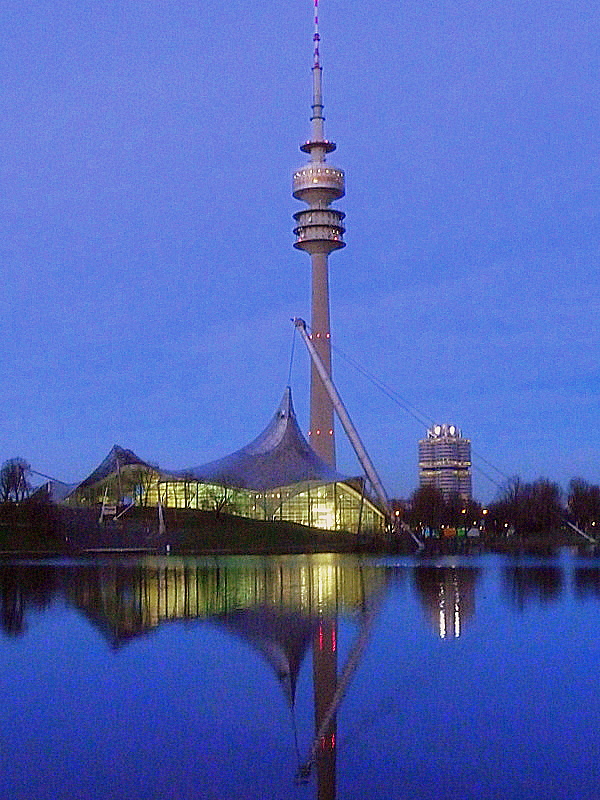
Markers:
point(146, 152)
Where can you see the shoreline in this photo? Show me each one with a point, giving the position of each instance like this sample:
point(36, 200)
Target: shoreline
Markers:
point(51, 531)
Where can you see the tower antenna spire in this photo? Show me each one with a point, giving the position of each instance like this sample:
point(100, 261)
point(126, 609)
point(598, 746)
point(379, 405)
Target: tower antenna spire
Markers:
point(317, 119)
point(316, 37)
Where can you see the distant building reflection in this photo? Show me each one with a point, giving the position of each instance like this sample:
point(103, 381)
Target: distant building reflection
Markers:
point(448, 596)
point(528, 584)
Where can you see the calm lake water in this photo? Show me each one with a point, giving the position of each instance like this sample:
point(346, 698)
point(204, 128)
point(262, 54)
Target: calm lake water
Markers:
point(301, 677)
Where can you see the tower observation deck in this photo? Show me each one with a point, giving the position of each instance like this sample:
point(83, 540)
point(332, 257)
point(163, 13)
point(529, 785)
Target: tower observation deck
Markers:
point(319, 231)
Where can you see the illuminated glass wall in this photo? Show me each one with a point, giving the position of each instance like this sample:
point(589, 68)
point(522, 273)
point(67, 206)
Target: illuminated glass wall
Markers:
point(333, 506)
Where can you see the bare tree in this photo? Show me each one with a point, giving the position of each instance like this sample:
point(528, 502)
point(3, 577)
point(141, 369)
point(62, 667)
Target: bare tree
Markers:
point(188, 482)
point(222, 496)
point(528, 507)
point(139, 481)
point(14, 486)
point(584, 502)
point(427, 507)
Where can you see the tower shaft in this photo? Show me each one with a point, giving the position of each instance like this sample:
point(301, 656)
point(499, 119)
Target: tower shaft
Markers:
point(325, 685)
point(321, 408)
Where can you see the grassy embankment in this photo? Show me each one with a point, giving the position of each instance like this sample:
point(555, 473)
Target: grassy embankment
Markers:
point(48, 530)
point(30, 528)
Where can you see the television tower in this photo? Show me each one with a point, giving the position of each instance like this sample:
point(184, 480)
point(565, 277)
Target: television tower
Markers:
point(319, 231)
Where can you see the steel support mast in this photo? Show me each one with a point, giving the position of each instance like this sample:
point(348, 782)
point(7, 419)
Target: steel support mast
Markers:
point(344, 418)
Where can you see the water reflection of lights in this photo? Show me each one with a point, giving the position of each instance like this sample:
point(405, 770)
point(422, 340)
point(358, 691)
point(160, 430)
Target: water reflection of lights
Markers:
point(449, 601)
point(448, 595)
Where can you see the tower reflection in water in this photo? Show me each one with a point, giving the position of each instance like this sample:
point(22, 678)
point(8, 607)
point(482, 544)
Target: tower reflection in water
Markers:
point(448, 596)
point(281, 607)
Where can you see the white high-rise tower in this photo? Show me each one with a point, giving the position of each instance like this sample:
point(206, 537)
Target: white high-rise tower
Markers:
point(445, 461)
point(319, 231)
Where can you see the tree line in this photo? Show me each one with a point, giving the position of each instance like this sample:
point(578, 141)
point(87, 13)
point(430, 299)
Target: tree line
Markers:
point(428, 507)
point(536, 507)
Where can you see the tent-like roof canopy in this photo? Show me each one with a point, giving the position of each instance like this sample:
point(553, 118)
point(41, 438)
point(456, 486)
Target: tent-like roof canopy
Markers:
point(281, 637)
point(117, 459)
point(280, 456)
